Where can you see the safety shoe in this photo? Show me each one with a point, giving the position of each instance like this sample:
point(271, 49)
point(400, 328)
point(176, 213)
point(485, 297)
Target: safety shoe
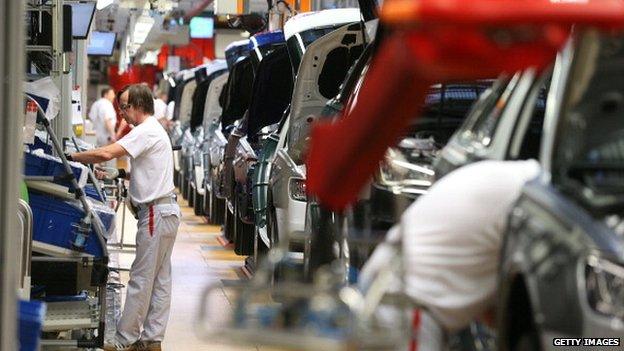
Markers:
point(147, 345)
point(121, 347)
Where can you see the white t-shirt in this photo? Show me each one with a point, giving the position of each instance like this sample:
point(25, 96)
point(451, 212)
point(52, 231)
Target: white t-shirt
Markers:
point(160, 109)
point(170, 108)
point(93, 112)
point(102, 111)
point(151, 160)
point(452, 237)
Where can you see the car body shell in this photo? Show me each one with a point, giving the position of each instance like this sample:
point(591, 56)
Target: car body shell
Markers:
point(313, 88)
point(239, 81)
point(212, 126)
point(552, 237)
point(206, 99)
point(261, 46)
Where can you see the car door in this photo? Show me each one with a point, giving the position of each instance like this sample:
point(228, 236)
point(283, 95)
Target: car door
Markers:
point(212, 117)
point(186, 102)
point(323, 68)
point(213, 109)
point(319, 79)
point(563, 255)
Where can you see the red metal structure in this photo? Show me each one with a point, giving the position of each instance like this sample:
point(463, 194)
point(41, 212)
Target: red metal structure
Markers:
point(437, 41)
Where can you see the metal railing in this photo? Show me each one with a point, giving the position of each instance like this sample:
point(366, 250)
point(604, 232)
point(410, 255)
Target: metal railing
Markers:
point(25, 217)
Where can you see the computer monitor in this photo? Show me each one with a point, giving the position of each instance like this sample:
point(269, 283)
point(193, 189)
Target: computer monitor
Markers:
point(82, 16)
point(101, 43)
point(202, 27)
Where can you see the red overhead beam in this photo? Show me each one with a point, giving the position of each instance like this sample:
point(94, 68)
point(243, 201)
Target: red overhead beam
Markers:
point(435, 41)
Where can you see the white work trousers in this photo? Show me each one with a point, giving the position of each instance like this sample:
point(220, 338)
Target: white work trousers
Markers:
point(148, 297)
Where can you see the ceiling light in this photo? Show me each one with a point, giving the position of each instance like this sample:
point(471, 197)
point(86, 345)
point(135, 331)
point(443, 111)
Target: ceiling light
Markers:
point(142, 29)
point(101, 4)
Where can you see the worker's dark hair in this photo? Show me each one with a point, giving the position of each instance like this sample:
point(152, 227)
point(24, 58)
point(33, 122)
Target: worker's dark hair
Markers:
point(140, 97)
point(105, 91)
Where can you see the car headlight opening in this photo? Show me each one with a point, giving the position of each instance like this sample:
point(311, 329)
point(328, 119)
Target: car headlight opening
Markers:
point(605, 286)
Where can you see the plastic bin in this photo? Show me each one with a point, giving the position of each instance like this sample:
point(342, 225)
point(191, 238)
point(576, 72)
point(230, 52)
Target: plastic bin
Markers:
point(80, 297)
point(40, 144)
point(31, 317)
point(53, 219)
point(92, 193)
point(46, 165)
point(106, 215)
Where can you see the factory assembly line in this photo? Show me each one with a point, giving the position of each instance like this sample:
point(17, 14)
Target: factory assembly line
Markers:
point(431, 175)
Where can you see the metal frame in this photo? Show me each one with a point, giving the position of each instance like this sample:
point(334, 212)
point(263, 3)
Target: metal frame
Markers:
point(90, 218)
point(25, 216)
point(60, 73)
point(11, 71)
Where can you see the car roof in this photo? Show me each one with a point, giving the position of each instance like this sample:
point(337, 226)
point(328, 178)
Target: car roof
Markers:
point(310, 20)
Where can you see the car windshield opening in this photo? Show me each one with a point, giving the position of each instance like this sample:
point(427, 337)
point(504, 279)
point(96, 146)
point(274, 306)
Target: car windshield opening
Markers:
point(300, 41)
point(589, 153)
point(446, 107)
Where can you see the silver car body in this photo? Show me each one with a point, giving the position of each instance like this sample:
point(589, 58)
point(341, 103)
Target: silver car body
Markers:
point(552, 240)
point(184, 114)
point(306, 105)
point(212, 149)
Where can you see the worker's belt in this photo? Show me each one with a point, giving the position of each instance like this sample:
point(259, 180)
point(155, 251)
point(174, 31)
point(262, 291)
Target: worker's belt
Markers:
point(136, 208)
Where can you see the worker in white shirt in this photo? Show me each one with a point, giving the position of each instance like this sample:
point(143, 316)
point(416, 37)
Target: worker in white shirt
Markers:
point(451, 239)
point(148, 298)
point(160, 108)
point(170, 109)
point(104, 117)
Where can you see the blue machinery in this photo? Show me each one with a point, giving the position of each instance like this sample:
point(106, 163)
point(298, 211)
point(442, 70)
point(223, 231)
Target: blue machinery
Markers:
point(73, 274)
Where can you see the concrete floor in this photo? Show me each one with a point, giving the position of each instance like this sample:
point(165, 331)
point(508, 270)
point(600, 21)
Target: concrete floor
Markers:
point(198, 261)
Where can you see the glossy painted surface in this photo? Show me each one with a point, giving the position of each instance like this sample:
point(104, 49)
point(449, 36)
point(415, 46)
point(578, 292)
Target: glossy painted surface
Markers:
point(262, 170)
point(307, 104)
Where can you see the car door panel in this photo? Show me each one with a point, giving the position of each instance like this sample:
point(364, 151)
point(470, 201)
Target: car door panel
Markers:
point(323, 68)
point(261, 180)
point(282, 169)
point(213, 109)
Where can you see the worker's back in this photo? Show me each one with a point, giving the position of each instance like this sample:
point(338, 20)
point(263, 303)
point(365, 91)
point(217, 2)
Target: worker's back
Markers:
point(151, 160)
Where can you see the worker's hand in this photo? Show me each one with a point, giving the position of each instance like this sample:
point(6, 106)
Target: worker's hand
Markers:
point(108, 173)
point(100, 174)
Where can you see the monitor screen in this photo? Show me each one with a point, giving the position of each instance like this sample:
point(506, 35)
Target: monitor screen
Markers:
point(101, 43)
point(82, 16)
point(202, 27)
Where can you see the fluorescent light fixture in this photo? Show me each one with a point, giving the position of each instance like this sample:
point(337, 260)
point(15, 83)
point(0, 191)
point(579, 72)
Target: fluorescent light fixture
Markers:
point(202, 27)
point(101, 4)
point(142, 28)
point(101, 43)
point(150, 57)
point(82, 16)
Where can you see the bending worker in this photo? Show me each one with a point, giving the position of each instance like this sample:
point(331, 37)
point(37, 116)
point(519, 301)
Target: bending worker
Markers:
point(151, 192)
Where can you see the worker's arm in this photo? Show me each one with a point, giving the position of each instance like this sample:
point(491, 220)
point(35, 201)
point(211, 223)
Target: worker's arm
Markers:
point(101, 154)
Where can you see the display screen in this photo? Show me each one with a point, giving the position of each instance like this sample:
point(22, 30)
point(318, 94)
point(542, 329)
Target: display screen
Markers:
point(101, 43)
point(202, 27)
point(82, 15)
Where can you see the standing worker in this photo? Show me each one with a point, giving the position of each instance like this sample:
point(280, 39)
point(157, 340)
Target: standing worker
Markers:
point(151, 193)
point(160, 108)
point(104, 117)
